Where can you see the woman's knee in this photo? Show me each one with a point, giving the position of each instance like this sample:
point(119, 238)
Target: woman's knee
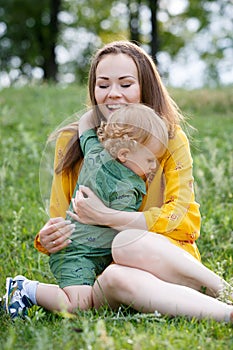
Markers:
point(127, 237)
point(136, 244)
point(126, 241)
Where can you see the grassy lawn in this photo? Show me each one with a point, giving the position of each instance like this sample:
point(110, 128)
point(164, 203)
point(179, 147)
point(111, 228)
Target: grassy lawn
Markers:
point(27, 117)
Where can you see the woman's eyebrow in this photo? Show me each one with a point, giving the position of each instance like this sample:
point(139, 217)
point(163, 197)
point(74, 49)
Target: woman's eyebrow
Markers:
point(127, 76)
point(120, 78)
point(104, 78)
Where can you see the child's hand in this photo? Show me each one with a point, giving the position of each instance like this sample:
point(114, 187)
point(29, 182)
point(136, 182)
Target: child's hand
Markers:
point(86, 122)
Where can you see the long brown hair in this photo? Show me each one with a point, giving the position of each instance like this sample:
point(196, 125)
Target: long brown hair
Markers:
point(153, 94)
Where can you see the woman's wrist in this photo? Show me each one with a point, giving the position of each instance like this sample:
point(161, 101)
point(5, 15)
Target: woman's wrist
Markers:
point(122, 220)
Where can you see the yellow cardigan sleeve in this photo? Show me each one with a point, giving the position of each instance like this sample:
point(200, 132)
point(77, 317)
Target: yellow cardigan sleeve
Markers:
point(177, 215)
point(64, 183)
point(62, 186)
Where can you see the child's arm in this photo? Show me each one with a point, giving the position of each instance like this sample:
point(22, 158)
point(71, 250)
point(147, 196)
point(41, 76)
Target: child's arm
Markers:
point(86, 122)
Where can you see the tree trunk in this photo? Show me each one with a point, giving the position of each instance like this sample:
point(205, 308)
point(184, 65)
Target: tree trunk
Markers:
point(50, 65)
point(134, 22)
point(154, 43)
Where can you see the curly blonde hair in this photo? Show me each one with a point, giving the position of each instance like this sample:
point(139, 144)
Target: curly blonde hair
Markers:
point(130, 125)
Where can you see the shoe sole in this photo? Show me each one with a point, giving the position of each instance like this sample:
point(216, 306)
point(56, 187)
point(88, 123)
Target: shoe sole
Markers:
point(8, 288)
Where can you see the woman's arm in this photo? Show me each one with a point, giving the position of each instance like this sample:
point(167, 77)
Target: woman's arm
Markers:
point(91, 210)
point(54, 235)
point(178, 216)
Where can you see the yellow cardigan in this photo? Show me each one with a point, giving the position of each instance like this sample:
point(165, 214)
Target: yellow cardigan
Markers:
point(169, 206)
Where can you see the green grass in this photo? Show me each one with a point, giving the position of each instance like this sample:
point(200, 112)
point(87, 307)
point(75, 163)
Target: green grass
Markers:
point(28, 115)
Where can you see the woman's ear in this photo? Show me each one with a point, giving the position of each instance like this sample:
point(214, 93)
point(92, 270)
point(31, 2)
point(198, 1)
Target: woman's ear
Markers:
point(122, 154)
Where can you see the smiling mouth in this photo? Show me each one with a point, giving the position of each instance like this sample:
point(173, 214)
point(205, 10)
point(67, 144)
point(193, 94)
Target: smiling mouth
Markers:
point(114, 107)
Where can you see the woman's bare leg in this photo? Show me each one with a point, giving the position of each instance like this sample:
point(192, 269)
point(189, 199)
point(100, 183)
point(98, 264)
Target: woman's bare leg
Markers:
point(53, 298)
point(156, 254)
point(146, 293)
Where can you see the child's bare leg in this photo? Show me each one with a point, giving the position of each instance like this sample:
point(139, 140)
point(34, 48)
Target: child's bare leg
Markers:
point(145, 292)
point(70, 298)
point(156, 254)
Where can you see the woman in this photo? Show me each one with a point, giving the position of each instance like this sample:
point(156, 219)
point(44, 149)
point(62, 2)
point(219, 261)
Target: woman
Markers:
point(156, 261)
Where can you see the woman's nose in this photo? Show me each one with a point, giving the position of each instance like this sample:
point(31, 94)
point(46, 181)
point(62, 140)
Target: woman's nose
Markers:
point(114, 91)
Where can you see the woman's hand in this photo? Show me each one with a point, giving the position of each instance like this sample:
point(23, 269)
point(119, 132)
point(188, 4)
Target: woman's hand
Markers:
point(54, 236)
point(91, 210)
point(88, 207)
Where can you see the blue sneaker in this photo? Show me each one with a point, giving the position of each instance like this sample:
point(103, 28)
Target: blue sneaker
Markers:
point(16, 300)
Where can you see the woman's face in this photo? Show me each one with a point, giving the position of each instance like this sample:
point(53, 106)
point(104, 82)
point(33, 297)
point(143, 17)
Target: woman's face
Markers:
point(117, 83)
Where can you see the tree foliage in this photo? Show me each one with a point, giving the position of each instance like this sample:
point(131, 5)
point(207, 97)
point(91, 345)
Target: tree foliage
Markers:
point(56, 38)
point(29, 36)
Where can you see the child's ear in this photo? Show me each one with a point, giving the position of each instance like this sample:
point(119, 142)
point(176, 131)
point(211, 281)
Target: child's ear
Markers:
point(123, 154)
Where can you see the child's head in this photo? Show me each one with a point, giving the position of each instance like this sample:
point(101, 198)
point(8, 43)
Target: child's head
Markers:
point(135, 135)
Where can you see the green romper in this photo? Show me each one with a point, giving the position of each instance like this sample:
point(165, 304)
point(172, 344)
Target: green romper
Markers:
point(119, 188)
